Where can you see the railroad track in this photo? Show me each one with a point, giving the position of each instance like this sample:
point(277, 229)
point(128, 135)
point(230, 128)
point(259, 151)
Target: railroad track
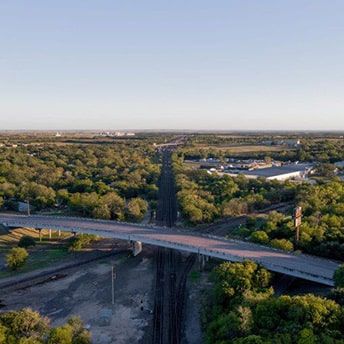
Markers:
point(166, 213)
point(180, 294)
point(172, 309)
point(170, 276)
point(158, 320)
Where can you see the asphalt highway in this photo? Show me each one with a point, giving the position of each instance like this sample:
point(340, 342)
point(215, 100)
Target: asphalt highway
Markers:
point(298, 265)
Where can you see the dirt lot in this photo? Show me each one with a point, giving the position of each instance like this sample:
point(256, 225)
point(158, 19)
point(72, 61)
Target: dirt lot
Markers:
point(86, 291)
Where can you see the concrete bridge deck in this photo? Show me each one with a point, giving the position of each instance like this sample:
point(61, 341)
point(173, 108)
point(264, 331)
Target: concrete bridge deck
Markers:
point(298, 265)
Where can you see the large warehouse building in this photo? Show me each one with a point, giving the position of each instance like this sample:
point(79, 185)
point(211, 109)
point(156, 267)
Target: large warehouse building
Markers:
point(297, 171)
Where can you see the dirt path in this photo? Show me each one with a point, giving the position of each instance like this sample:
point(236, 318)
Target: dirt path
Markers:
point(192, 322)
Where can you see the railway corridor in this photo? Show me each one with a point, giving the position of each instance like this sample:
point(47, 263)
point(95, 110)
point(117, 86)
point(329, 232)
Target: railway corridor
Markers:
point(167, 311)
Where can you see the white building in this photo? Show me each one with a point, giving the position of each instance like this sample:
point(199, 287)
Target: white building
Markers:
point(281, 173)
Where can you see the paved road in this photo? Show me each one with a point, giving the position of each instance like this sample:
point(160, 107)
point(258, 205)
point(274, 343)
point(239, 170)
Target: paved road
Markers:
point(298, 265)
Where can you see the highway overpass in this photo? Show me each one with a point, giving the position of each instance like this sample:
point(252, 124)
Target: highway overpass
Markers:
point(298, 265)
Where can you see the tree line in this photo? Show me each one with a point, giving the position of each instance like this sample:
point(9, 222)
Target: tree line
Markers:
point(324, 150)
point(204, 197)
point(240, 308)
point(322, 227)
point(113, 181)
point(29, 327)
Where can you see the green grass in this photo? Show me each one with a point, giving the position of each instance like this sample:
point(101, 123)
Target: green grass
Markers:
point(39, 259)
point(10, 238)
point(244, 148)
point(45, 253)
point(195, 276)
point(45, 257)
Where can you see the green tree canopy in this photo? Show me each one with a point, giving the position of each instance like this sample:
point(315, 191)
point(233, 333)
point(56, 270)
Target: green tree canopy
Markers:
point(29, 327)
point(25, 323)
point(338, 277)
point(26, 241)
point(282, 244)
point(259, 237)
point(16, 258)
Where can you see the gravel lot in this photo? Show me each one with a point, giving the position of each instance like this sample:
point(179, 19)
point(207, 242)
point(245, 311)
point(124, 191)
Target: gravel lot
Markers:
point(86, 291)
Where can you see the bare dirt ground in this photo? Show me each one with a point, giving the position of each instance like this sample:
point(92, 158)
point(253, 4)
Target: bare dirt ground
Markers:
point(192, 325)
point(86, 291)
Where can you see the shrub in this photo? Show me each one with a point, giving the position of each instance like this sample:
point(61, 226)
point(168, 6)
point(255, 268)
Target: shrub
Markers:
point(259, 237)
point(338, 277)
point(16, 258)
point(26, 241)
point(282, 244)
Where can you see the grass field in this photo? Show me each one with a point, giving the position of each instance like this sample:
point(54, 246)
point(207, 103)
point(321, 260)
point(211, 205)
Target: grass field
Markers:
point(39, 259)
point(235, 149)
point(42, 255)
point(10, 238)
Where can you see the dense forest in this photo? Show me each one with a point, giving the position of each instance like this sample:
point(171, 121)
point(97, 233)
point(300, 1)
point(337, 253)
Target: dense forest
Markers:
point(119, 181)
point(321, 230)
point(204, 197)
point(240, 308)
point(113, 181)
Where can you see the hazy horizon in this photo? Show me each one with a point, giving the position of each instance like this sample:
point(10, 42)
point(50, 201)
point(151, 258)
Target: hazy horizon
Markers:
point(196, 65)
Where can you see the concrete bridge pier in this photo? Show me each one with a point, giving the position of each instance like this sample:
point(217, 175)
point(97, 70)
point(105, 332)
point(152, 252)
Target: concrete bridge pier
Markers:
point(202, 259)
point(40, 234)
point(137, 247)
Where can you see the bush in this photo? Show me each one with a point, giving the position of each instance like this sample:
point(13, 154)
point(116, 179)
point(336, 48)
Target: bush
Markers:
point(29, 327)
point(338, 277)
point(26, 241)
point(337, 295)
point(282, 244)
point(16, 258)
point(259, 237)
point(80, 241)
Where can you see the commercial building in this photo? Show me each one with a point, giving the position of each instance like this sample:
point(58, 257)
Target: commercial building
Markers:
point(290, 171)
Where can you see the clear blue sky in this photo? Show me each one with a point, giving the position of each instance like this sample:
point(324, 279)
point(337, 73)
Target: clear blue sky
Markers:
point(192, 64)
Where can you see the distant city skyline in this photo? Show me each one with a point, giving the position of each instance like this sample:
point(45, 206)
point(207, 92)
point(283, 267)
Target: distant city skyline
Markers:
point(199, 65)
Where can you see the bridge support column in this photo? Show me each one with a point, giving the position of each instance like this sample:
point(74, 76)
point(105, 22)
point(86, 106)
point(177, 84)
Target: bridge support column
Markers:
point(202, 259)
point(40, 234)
point(137, 247)
point(49, 233)
point(59, 233)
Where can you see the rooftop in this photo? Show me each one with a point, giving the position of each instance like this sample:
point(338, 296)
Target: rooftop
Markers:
point(280, 170)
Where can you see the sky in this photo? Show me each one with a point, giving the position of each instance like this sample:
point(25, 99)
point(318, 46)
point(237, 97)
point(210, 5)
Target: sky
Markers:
point(181, 64)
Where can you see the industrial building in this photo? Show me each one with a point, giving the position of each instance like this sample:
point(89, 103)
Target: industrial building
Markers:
point(290, 171)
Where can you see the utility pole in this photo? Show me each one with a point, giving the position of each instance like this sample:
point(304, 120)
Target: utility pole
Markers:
point(28, 207)
point(297, 223)
point(113, 277)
